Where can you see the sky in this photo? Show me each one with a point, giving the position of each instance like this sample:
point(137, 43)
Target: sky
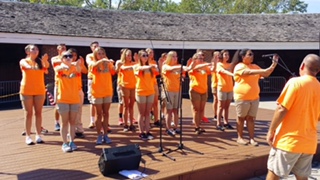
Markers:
point(313, 6)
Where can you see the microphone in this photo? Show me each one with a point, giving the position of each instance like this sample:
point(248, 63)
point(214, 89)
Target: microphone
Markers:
point(268, 55)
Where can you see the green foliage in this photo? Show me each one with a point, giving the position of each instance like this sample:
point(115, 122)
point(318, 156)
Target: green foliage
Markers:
point(190, 6)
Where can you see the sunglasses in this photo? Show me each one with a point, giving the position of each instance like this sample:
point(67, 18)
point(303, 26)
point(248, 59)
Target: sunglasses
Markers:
point(68, 56)
point(145, 55)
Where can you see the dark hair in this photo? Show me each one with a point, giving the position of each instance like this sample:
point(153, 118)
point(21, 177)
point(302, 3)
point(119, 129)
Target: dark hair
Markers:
point(238, 56)
point(73, 50)
point(37, 60)
point(94, 42)
point(221, 54)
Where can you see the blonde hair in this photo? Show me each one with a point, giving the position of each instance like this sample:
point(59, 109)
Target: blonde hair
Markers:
point(124, 55)
point(96, 51)
point(169, 57)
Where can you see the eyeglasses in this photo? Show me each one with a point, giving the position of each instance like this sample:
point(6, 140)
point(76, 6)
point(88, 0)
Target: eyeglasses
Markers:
point(145, 55)
point(250, 54)
point(68, 56)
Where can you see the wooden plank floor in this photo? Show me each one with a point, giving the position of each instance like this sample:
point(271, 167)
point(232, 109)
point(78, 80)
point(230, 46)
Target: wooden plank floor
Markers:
point(221, 157)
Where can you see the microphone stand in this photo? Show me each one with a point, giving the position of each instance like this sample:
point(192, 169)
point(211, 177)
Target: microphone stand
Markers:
point(161, 88)
point(180, 145)
point(284, 66)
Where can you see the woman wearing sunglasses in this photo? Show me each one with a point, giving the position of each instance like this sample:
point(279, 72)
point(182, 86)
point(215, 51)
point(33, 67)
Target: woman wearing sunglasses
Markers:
point(33, 70)
point(145, 92)
point(246, 91)
point(68, 99)
point(102, 70)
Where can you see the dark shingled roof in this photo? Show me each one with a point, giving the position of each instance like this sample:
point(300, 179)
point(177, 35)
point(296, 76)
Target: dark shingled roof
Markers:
point(70, 21)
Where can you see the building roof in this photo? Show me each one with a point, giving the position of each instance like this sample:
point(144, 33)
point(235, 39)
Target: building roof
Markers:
point(42, 19)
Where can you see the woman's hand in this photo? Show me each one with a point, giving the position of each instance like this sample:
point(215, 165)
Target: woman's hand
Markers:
point(44, 60)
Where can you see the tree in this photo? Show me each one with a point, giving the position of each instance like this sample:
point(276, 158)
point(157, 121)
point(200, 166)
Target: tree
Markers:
point(190, 6)
point(242, 6)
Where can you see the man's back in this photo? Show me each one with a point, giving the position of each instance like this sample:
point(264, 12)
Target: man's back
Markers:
point(298, 131)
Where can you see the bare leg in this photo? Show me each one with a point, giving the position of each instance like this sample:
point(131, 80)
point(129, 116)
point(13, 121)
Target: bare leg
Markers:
point(250, 124)
point(38, 104)
point(175, 116)
point(131, 104)
point(141, 114)
point(28, 111)
point(196, 114)
point(240, 124)
point(215, 104)
point(202, 106)
point(98, 109)
point(226, 111)
point(72, 123)
point(221, 105)
point(65, 117)
point(105, 122)
point(272, 176)
point(169, 118)
point(147, 116)
point(125, 100)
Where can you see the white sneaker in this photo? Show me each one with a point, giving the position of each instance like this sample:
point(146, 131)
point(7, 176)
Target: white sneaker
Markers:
point(39, 139)
point(172, 124)
point(66, 148)
point(29, 140)
point(73, 146)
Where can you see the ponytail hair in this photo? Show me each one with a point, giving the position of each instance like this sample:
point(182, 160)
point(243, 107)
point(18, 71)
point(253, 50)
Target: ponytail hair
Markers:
point(37, 60)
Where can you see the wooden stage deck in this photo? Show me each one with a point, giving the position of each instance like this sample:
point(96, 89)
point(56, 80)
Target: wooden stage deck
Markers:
point(222, 157)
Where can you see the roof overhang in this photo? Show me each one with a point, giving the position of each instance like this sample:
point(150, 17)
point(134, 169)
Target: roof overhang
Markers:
point(16, 38)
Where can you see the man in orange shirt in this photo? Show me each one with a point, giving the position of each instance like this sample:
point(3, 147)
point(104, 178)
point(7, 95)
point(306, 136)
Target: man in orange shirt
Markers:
point(293, 130)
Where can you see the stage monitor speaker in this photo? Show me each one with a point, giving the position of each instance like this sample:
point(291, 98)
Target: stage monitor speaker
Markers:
point(113, 160)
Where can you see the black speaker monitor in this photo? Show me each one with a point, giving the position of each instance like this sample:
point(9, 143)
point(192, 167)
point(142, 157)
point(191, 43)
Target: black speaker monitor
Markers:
point(113, 160)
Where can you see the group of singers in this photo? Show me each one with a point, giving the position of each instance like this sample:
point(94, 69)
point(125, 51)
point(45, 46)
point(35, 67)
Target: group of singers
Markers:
point(137, 83)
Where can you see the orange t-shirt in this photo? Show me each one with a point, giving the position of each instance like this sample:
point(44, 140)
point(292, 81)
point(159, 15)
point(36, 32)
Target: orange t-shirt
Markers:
point(298, 131)
point(127, 78)
point(246, 87)
point(171, 79)
point(102, 80)
point(32, 82)
point(225, 82)
point(199, 80)
point(144, 82)
point(68, 86)
point(156, 73)
point(89, 58)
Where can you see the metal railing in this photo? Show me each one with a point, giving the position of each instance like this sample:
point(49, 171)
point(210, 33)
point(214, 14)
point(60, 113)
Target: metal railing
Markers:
point(273, 84)
point(9, 90)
